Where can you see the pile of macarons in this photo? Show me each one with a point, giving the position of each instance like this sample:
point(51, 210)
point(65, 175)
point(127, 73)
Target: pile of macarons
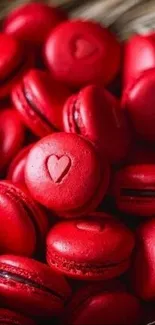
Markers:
point(77, 172)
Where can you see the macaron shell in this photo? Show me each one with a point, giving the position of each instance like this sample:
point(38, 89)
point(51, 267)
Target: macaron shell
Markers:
point(58, 164)
point(85, 291)
point(39, 216)
point(11, 53)
point(139, 56)
point(40, 101)
point(20, 22)
point(14, 63)
point(42, 299)
point(11, 317)
point(139, 178)
point(16, 170)
point(76, 53)
point(139, 103)
point(97, 115)
point(11, 135)
point(17, 203)
point(99, 240)
point(28, 115)
point(16, 226)
point(106, 308)
point(142, 280)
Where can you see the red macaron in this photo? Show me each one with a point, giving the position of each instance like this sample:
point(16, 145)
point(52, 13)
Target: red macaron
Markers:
point(103, 305)
point(11, 135)
point(23, 224)
point(16, 170)
point(40, 100)
point(82, 52)
point(32, 22)
point(31, 287)
point(134, 189)
point(13, 318)
point(64, 173)
point(96, 114)
point(89, 249)
point(142, 273)
point(139, 55)
point(14, 63)
point(138, 101)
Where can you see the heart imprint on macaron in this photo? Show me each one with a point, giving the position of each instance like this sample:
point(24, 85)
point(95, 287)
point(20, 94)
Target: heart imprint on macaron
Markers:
point(83, 48)
point(58, 167)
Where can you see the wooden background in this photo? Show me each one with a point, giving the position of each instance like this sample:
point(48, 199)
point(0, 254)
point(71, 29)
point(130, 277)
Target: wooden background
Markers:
point(123, 16)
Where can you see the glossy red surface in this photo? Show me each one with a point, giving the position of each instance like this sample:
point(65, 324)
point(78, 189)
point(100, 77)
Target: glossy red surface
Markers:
point(16, 170)
point(142, 274)
point(39, 100)
point(32, 22)
point(139, 102)
point(101, 304)
point(11, 135)
point(31, 286)
point(21, 219)
point(139, 56)
point(96, 114)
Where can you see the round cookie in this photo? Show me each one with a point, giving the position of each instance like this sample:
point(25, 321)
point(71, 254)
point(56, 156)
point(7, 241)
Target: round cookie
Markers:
point(92, 248)
point(139, 56)
point(82, 52)
point(64, 172)
point(32, 22)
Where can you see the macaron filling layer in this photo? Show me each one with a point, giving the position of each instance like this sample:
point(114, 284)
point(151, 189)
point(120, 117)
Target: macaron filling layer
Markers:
point(34, 108)
point(15, 196)
point(148, 193)
point(74, 118)
point(83, 268)
point(13, 73)
point(9, 276)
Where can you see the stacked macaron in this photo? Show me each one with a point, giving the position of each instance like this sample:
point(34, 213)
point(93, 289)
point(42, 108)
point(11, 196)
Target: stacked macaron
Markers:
point(77, 172)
